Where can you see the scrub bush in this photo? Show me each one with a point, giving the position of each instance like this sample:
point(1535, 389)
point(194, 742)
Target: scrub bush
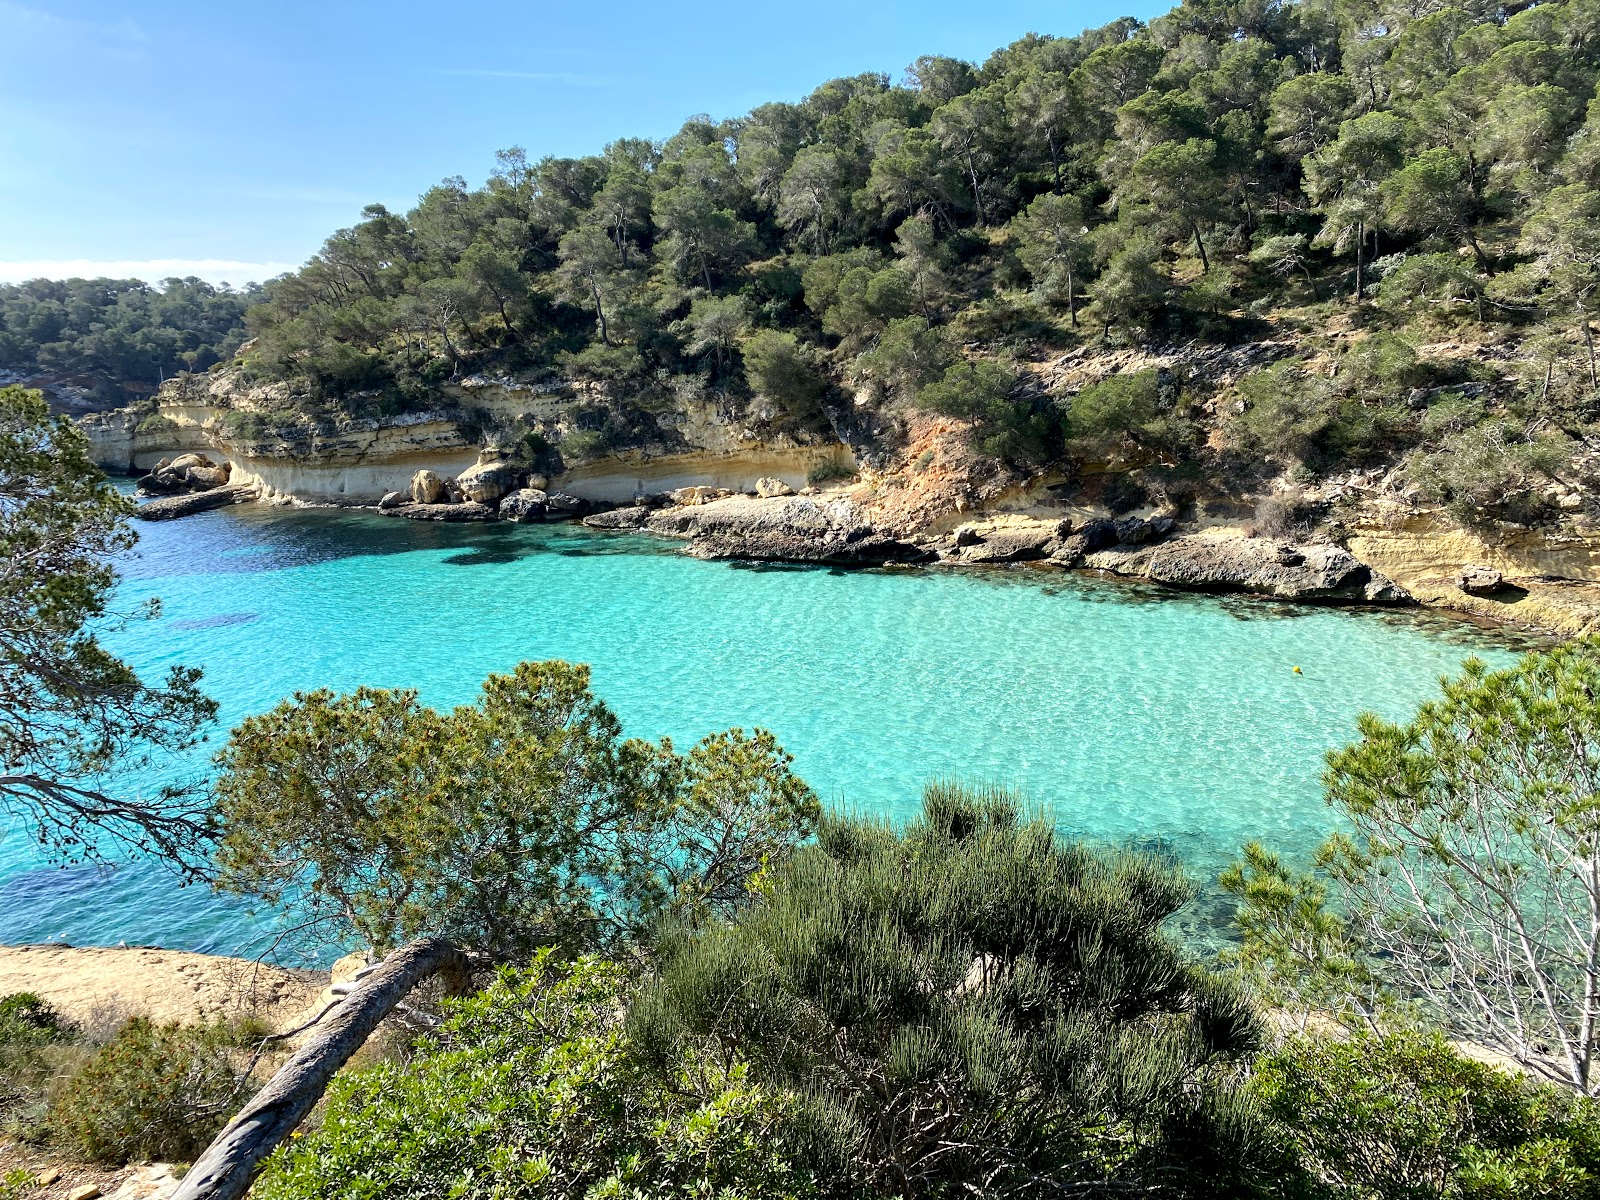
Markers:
point(1405, 1117)
point(151, 1092)
point(530, 1089)
point(975, 1006)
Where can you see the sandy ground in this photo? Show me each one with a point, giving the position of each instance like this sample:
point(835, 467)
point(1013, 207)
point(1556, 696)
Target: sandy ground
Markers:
point(101, 987)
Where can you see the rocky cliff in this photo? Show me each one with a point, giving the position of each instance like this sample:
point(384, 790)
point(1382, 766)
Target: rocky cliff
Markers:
point(917, 489)
point(288, 448)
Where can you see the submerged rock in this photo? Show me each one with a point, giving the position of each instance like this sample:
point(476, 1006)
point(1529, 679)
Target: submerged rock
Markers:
point(1261, 566)
point(782, 529)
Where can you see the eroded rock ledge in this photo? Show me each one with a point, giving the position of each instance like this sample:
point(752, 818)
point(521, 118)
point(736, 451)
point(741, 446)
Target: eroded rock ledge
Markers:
point(801, 529)
point(1320, 572)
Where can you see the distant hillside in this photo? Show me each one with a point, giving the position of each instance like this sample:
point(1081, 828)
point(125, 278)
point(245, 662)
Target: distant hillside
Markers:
point(108, 341)
point(1367, 180)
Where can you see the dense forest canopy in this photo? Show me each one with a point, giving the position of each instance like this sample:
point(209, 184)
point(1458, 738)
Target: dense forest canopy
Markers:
point(1360, 180)
point(919, 243)
point(119, 338)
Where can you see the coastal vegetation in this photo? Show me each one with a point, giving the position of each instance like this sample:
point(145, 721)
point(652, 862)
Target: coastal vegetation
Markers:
point(117, 339)
point(1398, 202)
point(692, 979)
point(71, 712)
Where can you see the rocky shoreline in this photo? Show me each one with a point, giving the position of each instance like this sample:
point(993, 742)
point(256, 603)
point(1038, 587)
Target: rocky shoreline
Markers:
point(835, 528)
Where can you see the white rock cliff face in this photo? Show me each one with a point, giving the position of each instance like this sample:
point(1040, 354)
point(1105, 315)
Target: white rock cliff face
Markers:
point(359, 460)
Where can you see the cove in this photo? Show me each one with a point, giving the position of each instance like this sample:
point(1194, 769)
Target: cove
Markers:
point(1132, 714)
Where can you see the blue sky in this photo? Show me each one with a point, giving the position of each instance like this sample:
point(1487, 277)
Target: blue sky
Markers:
point(227, 138)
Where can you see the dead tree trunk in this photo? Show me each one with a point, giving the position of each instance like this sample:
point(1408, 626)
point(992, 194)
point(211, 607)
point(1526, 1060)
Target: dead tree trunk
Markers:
point(228, 1166)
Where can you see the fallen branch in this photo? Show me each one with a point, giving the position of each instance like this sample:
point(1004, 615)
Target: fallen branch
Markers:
point(229, 1165)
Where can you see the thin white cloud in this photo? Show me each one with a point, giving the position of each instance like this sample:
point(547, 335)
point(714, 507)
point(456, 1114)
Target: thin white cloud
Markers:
point(568, 77)
point(213, 270)
point(22, 18)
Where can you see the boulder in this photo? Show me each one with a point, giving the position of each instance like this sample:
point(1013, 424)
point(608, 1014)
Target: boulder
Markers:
point(427, 488)
point(202, 478)
point(525, 505)
point(782, 529)
point(632, 517)
point(1481, 581)
point(767, 488)
point(393, 500)
point(186, 461)
point(1262, 566)
point(1019, 543)
point(563, 505)
point(488, 479)
point(1138, 531)
point(467, 511)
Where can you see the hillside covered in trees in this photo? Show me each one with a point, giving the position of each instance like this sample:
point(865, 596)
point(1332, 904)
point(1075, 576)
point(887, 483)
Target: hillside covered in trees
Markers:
point(1361, 183)
point(117, 339)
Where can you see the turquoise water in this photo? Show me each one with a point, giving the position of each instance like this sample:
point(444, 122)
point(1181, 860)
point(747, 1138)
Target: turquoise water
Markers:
point(1136, 714)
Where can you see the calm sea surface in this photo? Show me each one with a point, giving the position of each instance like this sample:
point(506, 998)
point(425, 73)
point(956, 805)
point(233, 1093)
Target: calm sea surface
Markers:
point(1133, 714)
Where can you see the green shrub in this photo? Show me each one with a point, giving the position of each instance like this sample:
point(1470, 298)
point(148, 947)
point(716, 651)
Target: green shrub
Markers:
point(1405, 1117)
point(151, 1092)
point(1493, 471)
point(975, 1006)
point(530, 1089)
point(32, 1038)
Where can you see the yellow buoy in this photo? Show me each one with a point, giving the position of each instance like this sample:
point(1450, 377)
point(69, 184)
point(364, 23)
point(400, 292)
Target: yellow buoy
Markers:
point(1298, 671)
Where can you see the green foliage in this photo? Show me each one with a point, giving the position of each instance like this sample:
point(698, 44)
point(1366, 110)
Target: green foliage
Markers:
point(530, 1089)
point(120, 337)
point(152, 1092)
point(30, 1029)
point(1295, 951)
point(1473, 828)
point(778, 367)
point(832, 471)
point(75, 712)
point(1137, 410)
point(1324, 421)
point(1405, 1117)
point(1015, 429)
point(973, 1005)
point(523, 820)
point(1493, 471)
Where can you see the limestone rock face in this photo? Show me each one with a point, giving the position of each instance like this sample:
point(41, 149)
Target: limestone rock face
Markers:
point(1261, 566)
point(782, 529)
point(427, 488)
point(1481, 581)
point(768, 487)
point(488, 479)
point(525, 505)
point(699, 495)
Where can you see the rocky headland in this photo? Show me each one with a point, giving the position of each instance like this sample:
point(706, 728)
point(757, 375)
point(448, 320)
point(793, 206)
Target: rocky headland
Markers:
point(731, 485)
